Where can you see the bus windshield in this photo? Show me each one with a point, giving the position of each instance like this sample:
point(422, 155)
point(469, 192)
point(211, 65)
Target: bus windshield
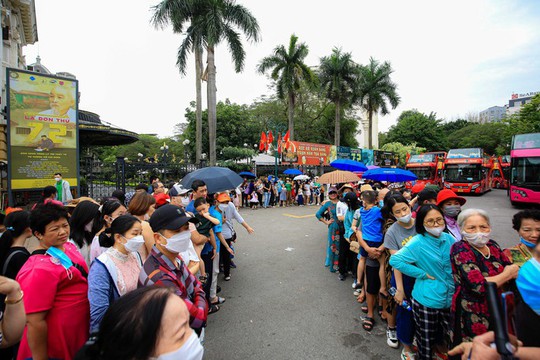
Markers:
point(526, 171)
point(475, 153)
point(415, 159)
point(526, 141)
point(423, 173)
point(464, 173)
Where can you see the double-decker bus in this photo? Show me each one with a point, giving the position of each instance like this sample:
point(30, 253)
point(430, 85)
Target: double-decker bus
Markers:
point(525, 169)
point(427, 167)
point(500, 172)
point(467, 171)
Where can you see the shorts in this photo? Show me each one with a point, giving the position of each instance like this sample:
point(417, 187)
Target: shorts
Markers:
point(373, 282)
point(363, 252)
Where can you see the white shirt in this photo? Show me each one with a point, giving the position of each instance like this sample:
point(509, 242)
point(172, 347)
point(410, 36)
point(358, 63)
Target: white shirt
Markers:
point(341, 208)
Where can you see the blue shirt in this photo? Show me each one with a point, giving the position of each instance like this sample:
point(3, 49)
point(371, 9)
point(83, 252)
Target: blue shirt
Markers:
point(217, 228)
point(349, 215)
point(372, 224)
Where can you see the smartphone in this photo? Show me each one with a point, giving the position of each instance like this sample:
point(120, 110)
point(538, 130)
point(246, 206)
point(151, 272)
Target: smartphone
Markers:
point(508, 304)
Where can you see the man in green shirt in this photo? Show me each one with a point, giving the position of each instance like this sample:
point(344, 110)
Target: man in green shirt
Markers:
point(63, 188)
point(288, 186)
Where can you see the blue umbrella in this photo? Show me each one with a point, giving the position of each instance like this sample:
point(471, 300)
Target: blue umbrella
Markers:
point(292, 172)
point(389, 174)
point(348, 165)
point(247, 174)
point(216, 178)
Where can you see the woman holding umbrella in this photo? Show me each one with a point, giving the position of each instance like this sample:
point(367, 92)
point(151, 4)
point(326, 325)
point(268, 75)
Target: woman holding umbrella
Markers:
point(332, 252)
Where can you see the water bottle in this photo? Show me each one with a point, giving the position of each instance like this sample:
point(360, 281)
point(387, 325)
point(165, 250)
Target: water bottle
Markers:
point(405, 304)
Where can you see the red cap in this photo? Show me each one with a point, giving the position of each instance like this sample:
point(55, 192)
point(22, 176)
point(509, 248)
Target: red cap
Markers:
point(448, 194)
point(161, 199)
point(418, 187)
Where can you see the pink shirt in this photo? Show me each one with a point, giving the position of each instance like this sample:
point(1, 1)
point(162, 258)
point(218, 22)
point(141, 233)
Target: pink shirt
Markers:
point(48, 287)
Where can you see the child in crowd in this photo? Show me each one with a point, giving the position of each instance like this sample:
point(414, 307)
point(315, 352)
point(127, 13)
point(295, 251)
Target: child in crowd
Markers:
point(254, 201)
point(300, 196)
point(368, 226)
point(204, 227)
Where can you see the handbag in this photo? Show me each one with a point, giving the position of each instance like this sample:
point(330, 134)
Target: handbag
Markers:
point(354, 244)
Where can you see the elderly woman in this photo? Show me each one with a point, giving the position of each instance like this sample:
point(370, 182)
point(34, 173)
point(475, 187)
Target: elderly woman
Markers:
point(475, 261)
point(527, 224)
point(55, 290)
point(426, 257)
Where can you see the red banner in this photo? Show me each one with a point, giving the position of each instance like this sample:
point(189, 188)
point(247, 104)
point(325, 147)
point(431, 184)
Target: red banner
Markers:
point(303, 153)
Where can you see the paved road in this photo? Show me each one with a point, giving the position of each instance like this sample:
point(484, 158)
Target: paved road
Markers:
point(287, 305)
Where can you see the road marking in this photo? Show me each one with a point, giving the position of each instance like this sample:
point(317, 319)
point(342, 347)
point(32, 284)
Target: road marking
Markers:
point(299, 216)
point(289, 249)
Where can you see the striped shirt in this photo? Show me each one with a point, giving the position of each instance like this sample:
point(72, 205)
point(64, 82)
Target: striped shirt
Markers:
point(160, 271)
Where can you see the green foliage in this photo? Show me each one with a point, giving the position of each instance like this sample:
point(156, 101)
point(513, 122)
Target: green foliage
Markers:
point(415, 127)
point(403, 150)
point(527, 120)
point(487, 136)
point(237, 153)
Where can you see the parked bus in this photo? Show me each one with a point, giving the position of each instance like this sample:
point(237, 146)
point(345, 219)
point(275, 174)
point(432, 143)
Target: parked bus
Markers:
point(467, 171)
point(525, 169)
point(427, 167)
point(500, 172)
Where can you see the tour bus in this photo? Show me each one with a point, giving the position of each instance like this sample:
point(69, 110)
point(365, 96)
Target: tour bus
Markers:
point(467, 171)
point(525, 169)
point(427, 167)
point(500, 172)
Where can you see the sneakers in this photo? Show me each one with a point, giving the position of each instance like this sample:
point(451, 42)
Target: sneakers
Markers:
point(405, 355)
point(227, 278)
point(391, 338)
point(354, 284)
point(357, 292)
point(341, 277)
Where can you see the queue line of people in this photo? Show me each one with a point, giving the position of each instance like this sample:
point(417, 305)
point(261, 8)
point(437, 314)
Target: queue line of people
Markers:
point(423, 264)
point(99, 266)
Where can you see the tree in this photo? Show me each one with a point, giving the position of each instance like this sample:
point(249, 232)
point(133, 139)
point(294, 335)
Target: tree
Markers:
point(487, 136)
point(337, 78)
point(290, 72)
point(375, 91)
point(415, 127)
point(527, 120)
point(218, 22)
point(402, 150)
point(179, 13)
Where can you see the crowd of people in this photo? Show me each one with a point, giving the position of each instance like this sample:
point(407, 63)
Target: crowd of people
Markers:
point(421, 260)
point(133, 276)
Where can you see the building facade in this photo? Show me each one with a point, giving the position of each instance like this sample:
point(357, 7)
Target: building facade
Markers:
point(492, 114)
point(518, 100)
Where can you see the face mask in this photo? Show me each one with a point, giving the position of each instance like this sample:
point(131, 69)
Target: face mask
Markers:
point(60, 256)
point(57, 179)
point(146, 217)
point(179, 242)
point(185, 201)
point(223, 207)
point(478, 239)
point(437, 231)
point(404, 219)
point(527, 243)
point(452, 210)
point(134, 243)
point(88, 227)
point(191, 350)
point(381, 203)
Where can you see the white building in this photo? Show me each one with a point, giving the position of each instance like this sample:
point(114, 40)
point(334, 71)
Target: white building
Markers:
point(492, 114)
point(362, 136)
point(518, 100)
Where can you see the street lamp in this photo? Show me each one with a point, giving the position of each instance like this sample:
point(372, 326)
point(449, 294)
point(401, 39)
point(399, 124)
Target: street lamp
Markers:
point(164, 152)
point(139, 157)
point(186, 143)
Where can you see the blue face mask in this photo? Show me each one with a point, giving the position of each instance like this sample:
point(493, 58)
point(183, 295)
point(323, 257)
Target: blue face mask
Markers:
point(60, 256)
point(527, 243)
point(381, 203)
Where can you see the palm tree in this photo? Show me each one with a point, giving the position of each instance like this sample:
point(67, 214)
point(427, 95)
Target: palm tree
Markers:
point(289, 70)
point(337, 78)
point(219, 21)
point(180, 13)
point(375, 89)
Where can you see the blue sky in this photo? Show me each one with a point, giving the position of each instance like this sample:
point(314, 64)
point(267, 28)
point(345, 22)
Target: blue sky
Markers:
point(452, 58)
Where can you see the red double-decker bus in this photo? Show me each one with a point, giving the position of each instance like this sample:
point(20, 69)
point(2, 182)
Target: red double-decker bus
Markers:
point(428, 167)
point(500, 172)
point(467, 171)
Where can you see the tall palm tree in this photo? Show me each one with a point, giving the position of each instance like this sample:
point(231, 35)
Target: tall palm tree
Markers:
point(289, 71)
point(337, 78)
point(375, 89)
point(181, 13)
point(218, 22)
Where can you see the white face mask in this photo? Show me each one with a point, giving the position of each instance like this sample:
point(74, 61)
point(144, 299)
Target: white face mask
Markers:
point(88, 227)
point(404, 219)
point(179, 242)
point(134, 243)
point(57, 179)
point(146, 217)
point(223, 207)
point(185, 201)
point(191, 350)
point(436, 231)
point(478, 239)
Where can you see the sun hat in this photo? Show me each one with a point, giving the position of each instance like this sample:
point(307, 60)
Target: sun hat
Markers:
point(365, 187)
point(169, 217)
point(346, 186)
point(448, 194)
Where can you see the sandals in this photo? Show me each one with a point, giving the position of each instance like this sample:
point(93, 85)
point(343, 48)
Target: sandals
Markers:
point(203, 279)
point(368, 323)
point(213, 309)
point(364, 309)
point(361, 297)
point(219, 301)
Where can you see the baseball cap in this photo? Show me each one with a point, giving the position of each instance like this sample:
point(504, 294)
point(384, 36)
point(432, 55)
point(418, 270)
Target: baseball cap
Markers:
point(178, 190)
point(223, 197)
point(169, 217)
point(161, 199)
point(332, 189)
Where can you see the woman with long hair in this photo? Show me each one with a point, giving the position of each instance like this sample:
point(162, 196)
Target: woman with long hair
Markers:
point(84, 224)
point(116, 271)
point(142, 206)
point(327, 215)
point(110, 210)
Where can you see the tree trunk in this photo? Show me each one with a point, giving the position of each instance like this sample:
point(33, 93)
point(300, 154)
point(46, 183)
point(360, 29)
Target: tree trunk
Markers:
point(337, 130)
point(198, 111)
point(291, 116)
point(211, 98)
point(370, 127)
